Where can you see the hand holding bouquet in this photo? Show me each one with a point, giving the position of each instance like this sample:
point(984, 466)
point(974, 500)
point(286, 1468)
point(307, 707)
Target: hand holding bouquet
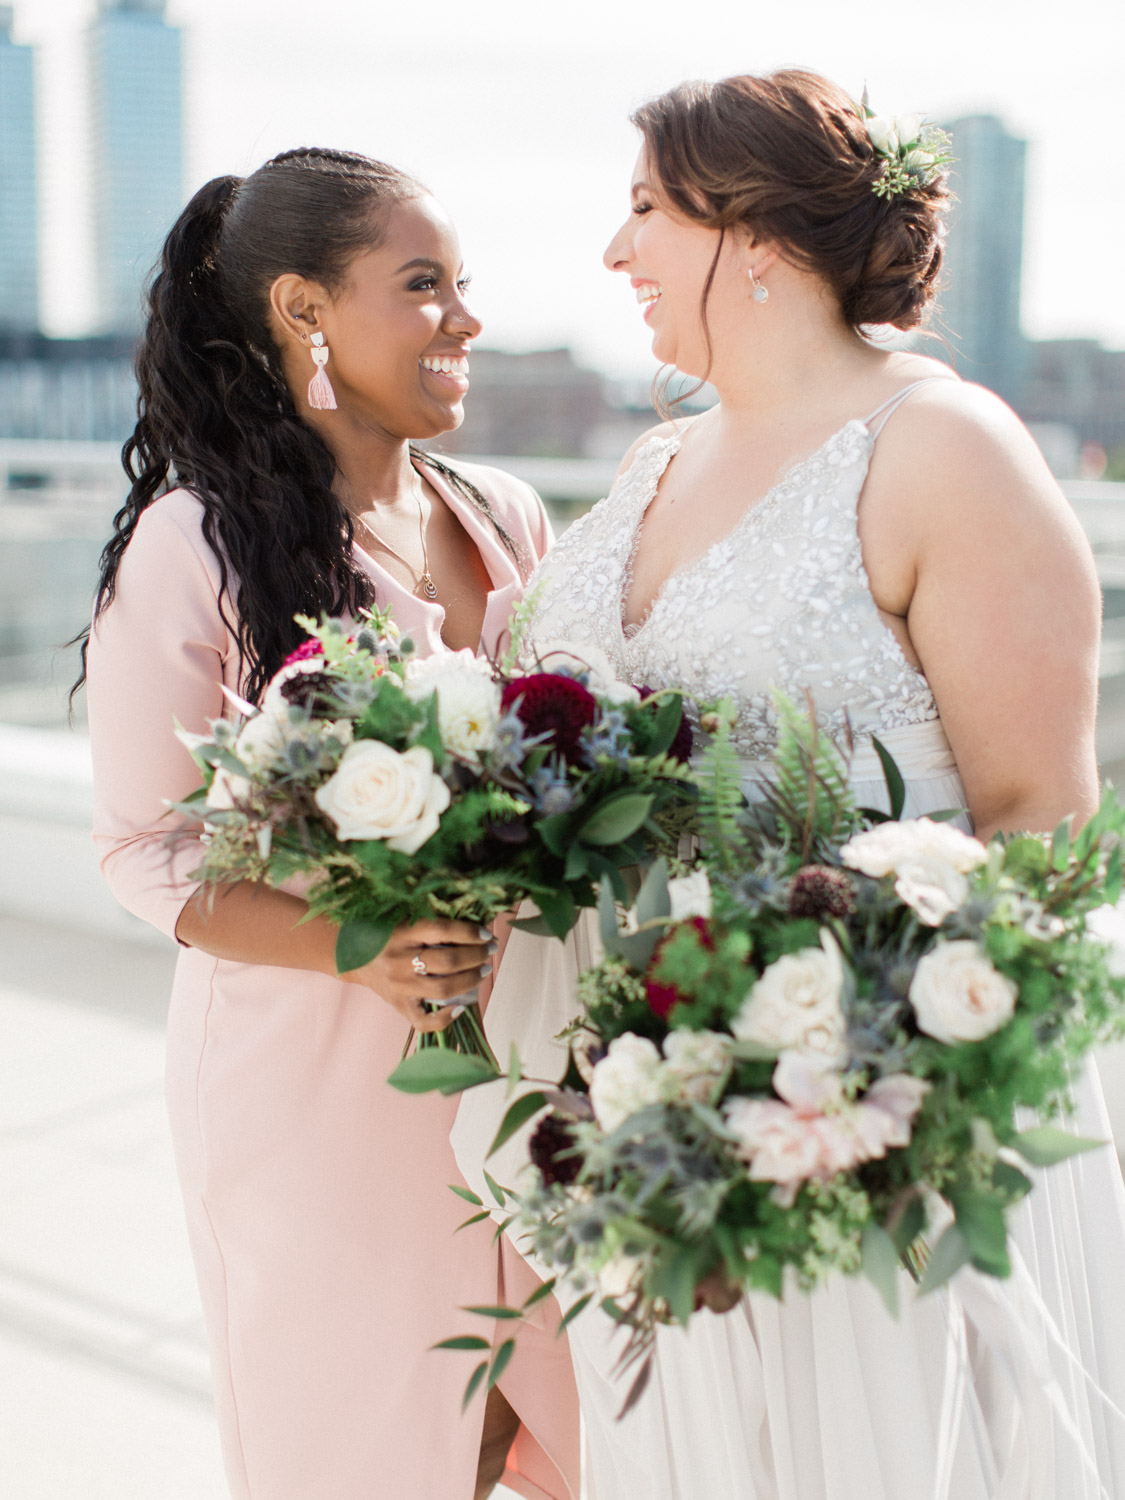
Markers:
point(402, 790)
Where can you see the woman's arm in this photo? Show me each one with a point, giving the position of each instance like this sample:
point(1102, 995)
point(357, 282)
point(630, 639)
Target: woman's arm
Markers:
point(972, 541)
point(157, 655)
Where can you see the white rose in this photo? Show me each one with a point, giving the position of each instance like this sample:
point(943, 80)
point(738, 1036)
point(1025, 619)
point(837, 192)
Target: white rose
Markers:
point(696, 1060)
point(629, 1078)
point(468, 700)
point(884, 849)
point(378, 793)
point(958, 996)
point(690, 896)
point(881, 129)
point(1107, 925)
point(932, 888)
point(261, 742)
point(797, 1004)
point(572, 658)
point(907, 128)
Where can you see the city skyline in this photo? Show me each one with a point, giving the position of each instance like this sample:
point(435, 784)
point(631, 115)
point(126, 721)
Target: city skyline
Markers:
point(19, 238)
point(136, 136)
point(536, 204)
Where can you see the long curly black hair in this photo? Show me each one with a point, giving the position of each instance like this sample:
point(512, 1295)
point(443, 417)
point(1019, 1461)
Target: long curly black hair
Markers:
point(216, 416)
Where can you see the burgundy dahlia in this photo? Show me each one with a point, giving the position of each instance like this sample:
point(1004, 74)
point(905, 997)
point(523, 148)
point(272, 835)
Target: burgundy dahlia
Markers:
point(550, 703)
point(550, 1139)
point(818, 891)
point(663, 997)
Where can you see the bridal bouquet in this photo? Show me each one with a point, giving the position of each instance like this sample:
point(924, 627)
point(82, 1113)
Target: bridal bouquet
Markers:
point(810, 1056)
point(403, 789)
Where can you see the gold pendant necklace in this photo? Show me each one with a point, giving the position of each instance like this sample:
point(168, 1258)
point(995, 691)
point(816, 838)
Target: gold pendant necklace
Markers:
point(425, 582)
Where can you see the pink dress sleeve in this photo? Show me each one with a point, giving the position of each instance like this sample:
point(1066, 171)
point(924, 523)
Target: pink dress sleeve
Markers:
point(159, 653)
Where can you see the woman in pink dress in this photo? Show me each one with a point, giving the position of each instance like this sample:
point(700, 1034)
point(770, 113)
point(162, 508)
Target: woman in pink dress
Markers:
point(267, 483)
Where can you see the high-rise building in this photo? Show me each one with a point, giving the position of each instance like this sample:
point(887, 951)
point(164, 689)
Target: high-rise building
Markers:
point(137, 150)
point(19, 238)
point(980, 299)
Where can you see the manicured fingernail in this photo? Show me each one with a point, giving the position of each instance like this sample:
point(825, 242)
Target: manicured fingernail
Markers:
point(484, 933)
point(458, 1010)
point(485, 970)
point(494, 946)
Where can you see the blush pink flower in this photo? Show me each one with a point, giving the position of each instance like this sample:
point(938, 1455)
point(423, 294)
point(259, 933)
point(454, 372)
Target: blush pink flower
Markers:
point(812, 1132)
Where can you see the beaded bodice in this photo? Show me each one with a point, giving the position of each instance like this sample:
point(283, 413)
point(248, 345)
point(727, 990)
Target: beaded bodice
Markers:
point(783, 601)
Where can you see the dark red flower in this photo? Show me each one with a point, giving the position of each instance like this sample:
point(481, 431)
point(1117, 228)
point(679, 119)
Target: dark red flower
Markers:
point(552, 1137)
point(818, 891)
point(553, 704)
point(663, 997)
point(304, 652)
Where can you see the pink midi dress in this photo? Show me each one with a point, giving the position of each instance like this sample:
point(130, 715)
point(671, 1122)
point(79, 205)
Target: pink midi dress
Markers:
point(317, 1198)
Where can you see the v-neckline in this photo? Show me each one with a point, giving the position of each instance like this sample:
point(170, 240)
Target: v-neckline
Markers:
point(475, 529)
point(629, 633)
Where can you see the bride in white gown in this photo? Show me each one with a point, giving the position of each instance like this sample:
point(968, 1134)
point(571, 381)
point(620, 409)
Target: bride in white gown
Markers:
point(863, 526)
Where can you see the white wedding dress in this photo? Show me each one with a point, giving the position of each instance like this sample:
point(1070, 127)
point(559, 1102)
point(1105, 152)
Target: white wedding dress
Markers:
point(989, 1391)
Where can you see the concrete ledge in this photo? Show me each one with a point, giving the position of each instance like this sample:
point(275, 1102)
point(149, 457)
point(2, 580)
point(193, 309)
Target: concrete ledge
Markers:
point(48, 867)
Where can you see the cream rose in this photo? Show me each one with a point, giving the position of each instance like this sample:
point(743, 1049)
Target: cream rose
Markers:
point(797, 1003)
point(885, 849)
point(958, 996)
point(630, 1077)
point(932, 888)
point(468, 700)
point(697, 1060)
point(380, 793)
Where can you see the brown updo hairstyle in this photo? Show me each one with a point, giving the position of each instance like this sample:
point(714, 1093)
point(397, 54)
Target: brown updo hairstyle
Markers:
point(788, 157)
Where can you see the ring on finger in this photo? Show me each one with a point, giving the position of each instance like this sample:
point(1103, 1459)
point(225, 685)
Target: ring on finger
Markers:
point(418, 964)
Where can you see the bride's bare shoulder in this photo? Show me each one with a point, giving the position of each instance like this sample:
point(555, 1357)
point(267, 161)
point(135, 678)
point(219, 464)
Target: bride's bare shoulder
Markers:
point(954, 452)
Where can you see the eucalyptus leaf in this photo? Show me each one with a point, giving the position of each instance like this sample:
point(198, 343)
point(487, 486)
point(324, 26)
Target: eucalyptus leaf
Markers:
point(980, 1218)
point(500, 1361)
point(518, 1113)
point(666, 725)
point(880, 1265)
point(616, 818)
point(558, 910)
point(359, 941)
point(653, 898)
point(1045, 1145)
point(1060, 845)
point(441, 1069)
point(948, 1256)
point(572, 1312)
point(474, 1383)
point(463, 1341)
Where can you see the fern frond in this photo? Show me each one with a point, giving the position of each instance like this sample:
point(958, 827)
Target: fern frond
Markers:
point(719, 778)
point(808, 787)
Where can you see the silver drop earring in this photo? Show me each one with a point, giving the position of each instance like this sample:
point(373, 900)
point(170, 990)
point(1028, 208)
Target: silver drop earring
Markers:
point(759, 292)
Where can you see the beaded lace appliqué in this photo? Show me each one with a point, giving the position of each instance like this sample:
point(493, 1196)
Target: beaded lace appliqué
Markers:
point(783, 601)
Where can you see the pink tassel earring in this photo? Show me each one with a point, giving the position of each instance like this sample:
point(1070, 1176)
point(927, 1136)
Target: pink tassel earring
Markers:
point(321, 395)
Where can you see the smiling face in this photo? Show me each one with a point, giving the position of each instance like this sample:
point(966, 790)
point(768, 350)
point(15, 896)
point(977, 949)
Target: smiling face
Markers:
point(667, 258)
point(398, 330)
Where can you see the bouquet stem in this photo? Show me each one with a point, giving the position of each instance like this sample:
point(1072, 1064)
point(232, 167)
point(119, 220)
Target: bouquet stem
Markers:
point(465, 1034)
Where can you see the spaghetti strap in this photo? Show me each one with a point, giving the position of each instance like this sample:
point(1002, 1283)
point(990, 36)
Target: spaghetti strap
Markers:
point(892, 403)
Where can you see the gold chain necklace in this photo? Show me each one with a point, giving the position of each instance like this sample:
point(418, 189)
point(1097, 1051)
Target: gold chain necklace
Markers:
point(425, 582)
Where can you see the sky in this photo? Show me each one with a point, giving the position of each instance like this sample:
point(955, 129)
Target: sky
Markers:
point(515, 114)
